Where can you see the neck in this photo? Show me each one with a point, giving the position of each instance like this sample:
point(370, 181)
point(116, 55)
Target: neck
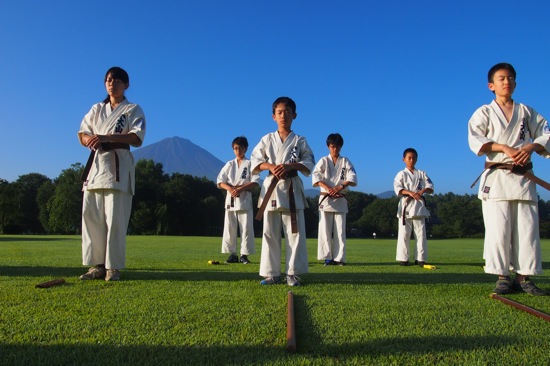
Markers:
point(116, 101)
point(283, 134)
point(504, 101)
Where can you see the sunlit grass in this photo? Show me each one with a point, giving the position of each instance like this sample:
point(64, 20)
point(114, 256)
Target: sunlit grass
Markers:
point(171, 307)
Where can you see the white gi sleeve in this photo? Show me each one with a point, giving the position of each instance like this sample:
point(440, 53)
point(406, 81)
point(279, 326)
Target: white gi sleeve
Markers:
point(477, 130)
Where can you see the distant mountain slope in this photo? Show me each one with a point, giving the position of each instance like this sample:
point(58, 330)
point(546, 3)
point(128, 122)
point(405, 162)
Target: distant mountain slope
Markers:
point(179, 155)
point(315, 192)
point(311, 192)
point(386, 194)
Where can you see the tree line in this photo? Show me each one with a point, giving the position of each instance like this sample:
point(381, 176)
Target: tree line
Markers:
point(181, 204)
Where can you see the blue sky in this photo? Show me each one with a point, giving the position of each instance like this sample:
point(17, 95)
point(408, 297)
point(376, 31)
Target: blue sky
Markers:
point(387, 75)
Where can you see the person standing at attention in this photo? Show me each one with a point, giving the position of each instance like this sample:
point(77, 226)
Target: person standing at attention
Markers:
point(108, 130)
point(508, 133)
point(333, 173)
point(410, 184)
point(237, 179)
point(282, 199)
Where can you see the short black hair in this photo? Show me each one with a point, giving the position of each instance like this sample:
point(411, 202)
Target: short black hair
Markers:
point(410, 150)
point(335, 139)
point(240, 141)
point(500, 66)
point(286, 101)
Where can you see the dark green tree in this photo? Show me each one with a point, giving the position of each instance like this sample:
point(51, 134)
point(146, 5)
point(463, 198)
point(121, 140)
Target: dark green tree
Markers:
point(148, 200)
point(380, 216)
point(43, 196)
point(27, 188)
point(194, 205)
point(9, 208)
point(65, 206)
point(311, 216)
point(357, 202)
point(457, 216)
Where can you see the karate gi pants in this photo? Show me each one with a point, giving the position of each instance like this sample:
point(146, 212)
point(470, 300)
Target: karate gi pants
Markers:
point(512, 238)
point(105, 217)
point(331, 243)
point(417, 225)
point(238, 220)
point(295, 244)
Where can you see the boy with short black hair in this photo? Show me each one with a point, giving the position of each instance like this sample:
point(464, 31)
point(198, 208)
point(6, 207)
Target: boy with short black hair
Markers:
point(333, 173)
point(282, 199)
point(237, 179)
point(508, 133)
point(410, 184)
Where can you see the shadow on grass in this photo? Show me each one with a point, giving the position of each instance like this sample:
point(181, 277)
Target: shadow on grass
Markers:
point(130, 274)
point(33, 238)
point(397, 265)
point(405, 348)
point(401, 275)
point(545, 265)
point(369, 278)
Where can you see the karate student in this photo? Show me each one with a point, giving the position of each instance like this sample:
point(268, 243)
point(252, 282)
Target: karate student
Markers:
point(410, 185)
point(333, 173)
point(282, 200)
point(108, 130)
point(237, 179)
point(508, 133)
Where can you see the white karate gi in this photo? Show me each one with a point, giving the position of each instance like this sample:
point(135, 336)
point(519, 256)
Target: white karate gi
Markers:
point(107, 202)
point(509, 201)
point(331, 242)
point(271, 149)
point(415, 215)
point(238, 210)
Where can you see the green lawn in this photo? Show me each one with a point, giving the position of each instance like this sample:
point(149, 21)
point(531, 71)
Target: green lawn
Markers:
point(172, 308)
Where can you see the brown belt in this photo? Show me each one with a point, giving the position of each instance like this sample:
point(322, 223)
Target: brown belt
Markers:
point(269, 192)
point(516, 169)
point(326, 195)
point(106, 146)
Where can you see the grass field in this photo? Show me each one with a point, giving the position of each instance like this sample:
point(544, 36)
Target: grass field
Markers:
point(172, 308)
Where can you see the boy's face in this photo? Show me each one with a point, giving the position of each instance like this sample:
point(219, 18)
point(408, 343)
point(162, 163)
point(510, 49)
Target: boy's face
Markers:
point(334, 150)
point(410, 160)
point(284, 116)
point(503, 84)
point(239, 151)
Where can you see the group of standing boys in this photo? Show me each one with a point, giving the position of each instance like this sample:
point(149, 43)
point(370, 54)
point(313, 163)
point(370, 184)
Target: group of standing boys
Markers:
point(282, 200)
point(506, 132)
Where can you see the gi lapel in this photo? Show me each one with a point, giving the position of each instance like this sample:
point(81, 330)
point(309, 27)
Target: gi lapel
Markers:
point(283, 153)
point(509, 129)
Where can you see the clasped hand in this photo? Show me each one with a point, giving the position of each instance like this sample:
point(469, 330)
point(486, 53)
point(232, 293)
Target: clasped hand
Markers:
point(522, 155)
point(94, 142)
point(280, 171)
